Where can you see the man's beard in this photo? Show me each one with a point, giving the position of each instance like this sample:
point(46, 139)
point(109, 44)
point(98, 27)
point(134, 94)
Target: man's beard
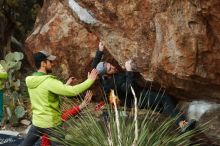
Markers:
point(49, 71)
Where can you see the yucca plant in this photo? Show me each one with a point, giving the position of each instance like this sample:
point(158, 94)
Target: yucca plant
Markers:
point(120, 127)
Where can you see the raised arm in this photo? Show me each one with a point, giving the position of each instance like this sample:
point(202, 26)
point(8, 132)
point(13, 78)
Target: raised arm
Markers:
point(59, 88)
point(130, 81)
point(98, 56)
point(75, 110)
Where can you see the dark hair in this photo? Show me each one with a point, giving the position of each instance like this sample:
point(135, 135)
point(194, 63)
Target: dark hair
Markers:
point(38, 58)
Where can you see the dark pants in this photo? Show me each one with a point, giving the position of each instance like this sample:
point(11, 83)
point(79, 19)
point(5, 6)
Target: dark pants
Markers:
point(163, 103)
point(36, 132)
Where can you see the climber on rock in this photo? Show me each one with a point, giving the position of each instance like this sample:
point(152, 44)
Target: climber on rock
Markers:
point(121, 82)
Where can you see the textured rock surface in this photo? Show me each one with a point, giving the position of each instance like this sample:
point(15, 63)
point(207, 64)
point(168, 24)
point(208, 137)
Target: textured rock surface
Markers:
point(213, 131)
point(57, 31)
point(175, 43)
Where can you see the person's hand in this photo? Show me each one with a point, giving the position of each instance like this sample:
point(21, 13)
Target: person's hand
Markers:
point(71, 80)
point(87, 99)
point(93, 75)
point(101, 46)
point(128, 65)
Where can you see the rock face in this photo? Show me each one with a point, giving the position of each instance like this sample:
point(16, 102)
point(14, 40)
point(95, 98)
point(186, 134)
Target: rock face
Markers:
point(174, 43)
point(212, 132)
point(57, 31)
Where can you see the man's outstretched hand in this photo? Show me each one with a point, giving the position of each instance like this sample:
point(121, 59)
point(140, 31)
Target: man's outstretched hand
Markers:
point(87, 99)
point(93, 74)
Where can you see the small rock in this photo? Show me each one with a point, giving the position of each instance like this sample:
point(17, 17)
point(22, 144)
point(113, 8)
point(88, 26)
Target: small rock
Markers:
point(25, 122)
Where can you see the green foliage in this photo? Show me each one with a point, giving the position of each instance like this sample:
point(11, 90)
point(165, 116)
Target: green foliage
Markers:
point(17, 20)
point(12, 64)
point(119, 126)
point(12, 61)
point(20, 111)
point(90, 130)
point(12, 3)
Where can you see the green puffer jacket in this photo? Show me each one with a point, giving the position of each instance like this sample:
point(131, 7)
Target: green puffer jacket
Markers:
point(3, 76)
point(44, 90)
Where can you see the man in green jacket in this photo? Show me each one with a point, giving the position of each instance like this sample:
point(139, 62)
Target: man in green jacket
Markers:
point(44, 90)
point(3, 76)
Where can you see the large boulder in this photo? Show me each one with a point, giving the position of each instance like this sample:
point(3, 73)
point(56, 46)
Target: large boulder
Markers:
point(174, 43)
